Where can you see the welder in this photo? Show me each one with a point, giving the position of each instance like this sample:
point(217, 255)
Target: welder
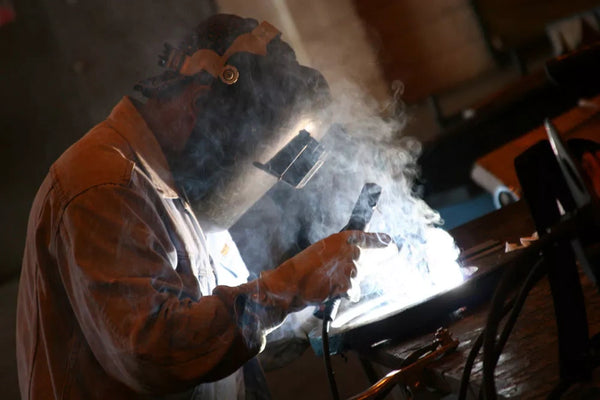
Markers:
point(120, 297)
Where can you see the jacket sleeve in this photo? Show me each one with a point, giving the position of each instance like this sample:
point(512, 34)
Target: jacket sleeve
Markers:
point(117, 266)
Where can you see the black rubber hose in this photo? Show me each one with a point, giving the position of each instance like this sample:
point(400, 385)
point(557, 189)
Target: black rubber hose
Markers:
point(490, 348)
point(335, 395)
point(491, 327)
point(466, 375)
point(536, 273)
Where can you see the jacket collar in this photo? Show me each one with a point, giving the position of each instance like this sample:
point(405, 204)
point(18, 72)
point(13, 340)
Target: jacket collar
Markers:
point(128, 122)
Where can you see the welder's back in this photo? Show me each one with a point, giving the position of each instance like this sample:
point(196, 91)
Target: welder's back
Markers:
point(114, 298)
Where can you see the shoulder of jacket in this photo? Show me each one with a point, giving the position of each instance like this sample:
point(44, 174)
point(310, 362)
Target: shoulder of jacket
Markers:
point(100, 157)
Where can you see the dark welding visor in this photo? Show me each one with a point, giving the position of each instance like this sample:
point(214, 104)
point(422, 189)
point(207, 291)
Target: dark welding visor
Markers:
point(297, 161)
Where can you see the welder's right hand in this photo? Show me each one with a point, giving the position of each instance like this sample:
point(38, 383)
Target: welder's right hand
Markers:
point(321, 271)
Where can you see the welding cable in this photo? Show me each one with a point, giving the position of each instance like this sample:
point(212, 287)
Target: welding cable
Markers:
point(502, 291)
point(491, 328)
point(466, 375)
point(468, 369)
point(492, 348)
point(537, 272)
point(335, 395)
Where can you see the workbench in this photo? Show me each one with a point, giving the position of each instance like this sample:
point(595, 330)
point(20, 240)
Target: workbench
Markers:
point(528, 366)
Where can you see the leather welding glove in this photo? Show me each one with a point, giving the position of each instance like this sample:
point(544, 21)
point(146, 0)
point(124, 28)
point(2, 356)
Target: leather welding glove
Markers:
point(323, 270)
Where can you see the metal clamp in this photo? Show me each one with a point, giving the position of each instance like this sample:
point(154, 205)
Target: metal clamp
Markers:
point(410, 375)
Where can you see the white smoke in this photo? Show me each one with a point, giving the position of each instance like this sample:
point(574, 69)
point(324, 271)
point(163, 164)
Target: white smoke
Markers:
point(369, 147)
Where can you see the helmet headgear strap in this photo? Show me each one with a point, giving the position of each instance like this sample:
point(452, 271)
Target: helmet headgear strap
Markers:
point(254, 42)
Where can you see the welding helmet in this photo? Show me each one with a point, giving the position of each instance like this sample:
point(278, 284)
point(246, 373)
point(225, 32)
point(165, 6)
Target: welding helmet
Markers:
point(259, 123)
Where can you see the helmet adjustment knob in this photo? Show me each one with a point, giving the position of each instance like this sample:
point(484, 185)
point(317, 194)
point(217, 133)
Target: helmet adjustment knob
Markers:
point(229, 74)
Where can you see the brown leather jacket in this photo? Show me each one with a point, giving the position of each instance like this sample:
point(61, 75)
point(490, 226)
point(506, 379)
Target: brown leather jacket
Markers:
point(114, 294)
